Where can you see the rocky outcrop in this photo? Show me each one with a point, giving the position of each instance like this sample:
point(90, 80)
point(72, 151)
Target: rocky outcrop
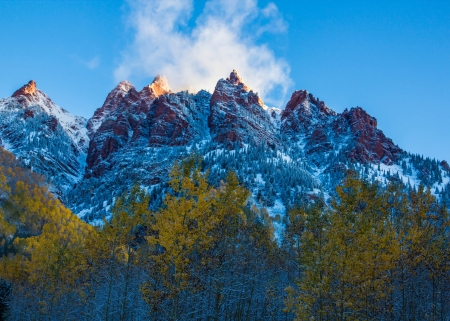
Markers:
point(238, 115)
point(117, 101)
point(303, 112)
point(152, 117)
point(157, 88)
point(178, 118)
point(370, 143)
point(26, 90)
point(321, 131)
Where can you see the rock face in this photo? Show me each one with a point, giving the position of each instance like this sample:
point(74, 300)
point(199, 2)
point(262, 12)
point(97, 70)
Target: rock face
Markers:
point(120, 98)
point(157, 88)
point(152, 117)
point(177, 119)
point(321, 131)
point(238, 114)
point(109, 128)
point(45, 137)
point(370, 145)
point(445, 166)
point(303, 112)
point(26, 90)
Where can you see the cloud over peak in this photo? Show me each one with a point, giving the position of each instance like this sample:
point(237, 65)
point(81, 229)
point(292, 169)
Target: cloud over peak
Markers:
point(194, 55)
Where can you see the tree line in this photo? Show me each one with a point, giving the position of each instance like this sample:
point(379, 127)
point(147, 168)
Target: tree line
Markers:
point(371, 253)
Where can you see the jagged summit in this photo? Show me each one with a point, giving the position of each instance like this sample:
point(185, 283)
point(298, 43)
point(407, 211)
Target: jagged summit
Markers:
point(159, 86)
point(232, 86)
point(112, 104)
point(301, 99)
point(238, 114)
point(302, 112)
point(44, 136)
point(236, 79)
point(124, 96)
point(28, 89)
point(124, 86)
point(308, 119)
point(30, 102)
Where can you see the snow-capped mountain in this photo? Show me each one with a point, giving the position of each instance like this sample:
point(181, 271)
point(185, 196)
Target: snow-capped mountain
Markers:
point(322, 132)
point(130, 120)
point(45, 137)
point(284, 156)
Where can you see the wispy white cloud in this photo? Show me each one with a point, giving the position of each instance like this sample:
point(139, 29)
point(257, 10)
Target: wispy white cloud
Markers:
point(224, 37)
point(91, 63)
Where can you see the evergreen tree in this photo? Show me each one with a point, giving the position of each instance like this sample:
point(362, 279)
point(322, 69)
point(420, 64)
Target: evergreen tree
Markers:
point(5, 298)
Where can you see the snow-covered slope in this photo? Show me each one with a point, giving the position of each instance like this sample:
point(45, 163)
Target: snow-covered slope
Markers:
point(45, 137)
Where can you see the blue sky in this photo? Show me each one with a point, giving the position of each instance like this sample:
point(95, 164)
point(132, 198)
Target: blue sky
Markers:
point(389, 57)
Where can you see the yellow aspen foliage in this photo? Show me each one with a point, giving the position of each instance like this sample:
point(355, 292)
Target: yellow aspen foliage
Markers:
point(306, 233)
point(42, 241)
point(116, 245)
point(191, 222)
point(366, 249)
point(184, 224)
point(346, 255)
point(128, 213)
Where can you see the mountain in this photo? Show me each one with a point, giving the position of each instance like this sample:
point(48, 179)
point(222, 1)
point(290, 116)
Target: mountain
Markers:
point(284, 156)
point(237, 114)
point(322, 131)
point(45, 137)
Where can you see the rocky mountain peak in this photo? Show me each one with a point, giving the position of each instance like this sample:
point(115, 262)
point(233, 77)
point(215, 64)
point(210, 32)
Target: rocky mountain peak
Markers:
point(159, 86)
point(304, 111)
point(302, 100)
point(370, 143)
point(123, 95)
point(28, 89)
point(115, 97)
point(136, 135)
point(359, 118)
point(236, 79)
point(124, 86)
point(44, 136)
point(238, 114)
point(298, 97)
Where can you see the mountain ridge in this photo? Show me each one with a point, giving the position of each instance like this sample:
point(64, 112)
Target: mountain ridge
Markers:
point(137, 135)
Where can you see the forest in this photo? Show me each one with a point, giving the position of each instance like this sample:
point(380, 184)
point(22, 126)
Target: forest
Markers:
point(372, 252)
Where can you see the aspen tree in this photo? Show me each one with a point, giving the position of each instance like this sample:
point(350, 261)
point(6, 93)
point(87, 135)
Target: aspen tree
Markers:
point(307, 232)
point(182, 226)
point(346, 254)
point(117, 248)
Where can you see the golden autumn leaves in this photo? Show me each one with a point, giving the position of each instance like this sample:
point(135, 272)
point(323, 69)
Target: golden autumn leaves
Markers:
point(372, 253)
point(47, 248)
point(361, 258)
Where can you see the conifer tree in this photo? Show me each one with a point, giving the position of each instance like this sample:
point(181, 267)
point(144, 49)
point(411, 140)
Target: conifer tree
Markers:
point(5, 299)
